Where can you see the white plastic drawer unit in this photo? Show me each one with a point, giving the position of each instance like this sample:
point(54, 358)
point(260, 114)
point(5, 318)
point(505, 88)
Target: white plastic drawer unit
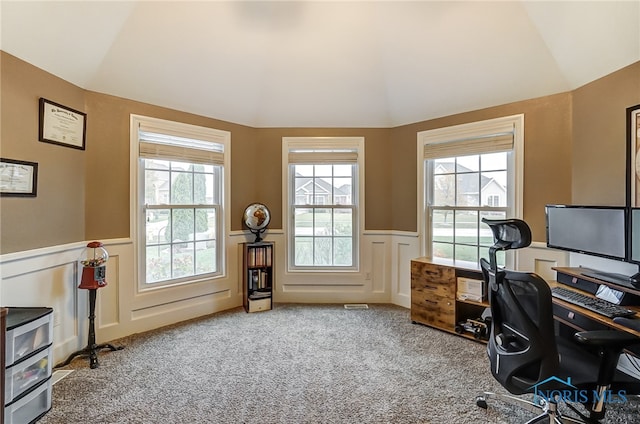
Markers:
point(31, 406)
point(23, 375)
point(28, 330)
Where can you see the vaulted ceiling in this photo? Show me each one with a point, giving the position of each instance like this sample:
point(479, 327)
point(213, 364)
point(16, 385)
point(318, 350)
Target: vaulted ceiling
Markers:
point(324, 63)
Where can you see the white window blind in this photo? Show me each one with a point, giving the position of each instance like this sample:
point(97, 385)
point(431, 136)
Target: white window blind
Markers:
point(184, 144)
point(323, 151)
point(493, 139)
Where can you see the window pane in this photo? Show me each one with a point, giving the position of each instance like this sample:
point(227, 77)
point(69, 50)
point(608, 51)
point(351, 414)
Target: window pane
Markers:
point(200, 191)
point(342, 253)
point(444, 190)
point(444, 166)
point(322, 191)
point(442, 225)
point(442, 250)
point(206, 257)
point(304, 251)
point(303, 222)
point(342, 170)
point(303, 170)
point(342, 222)
point(466, 229)
point(323, 170)
point(181, 188)
point(304, 191)
point(205, 226)
point(156, 226)
point(342, 191)
point(494, 188)
point(468, 193)
point(156, 185)
point(183, 260)
point(468, 163)
point(466, 253)
point(180, 166)
point(494, 161)
point(486, 236)
point(158, 263)
point(322, 251)
point(323, 222)
point(182, 225)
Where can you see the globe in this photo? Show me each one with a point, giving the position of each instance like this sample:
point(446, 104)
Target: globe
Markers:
point(256, 218)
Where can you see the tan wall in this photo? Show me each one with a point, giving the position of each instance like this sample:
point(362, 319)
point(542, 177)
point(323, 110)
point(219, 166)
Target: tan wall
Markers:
point(56, 216)
point(547, 158)
point(85, 194)
point(108, 159)
point(600, 139)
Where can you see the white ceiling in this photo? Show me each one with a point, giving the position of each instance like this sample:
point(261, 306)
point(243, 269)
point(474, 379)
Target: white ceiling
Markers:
point(327, 63)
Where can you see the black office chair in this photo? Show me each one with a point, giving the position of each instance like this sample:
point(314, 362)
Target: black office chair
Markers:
point(525, 354)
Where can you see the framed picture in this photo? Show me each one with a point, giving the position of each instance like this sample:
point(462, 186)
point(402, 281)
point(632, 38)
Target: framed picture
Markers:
point(62, 125)
point(18, 178)
point(633, 156)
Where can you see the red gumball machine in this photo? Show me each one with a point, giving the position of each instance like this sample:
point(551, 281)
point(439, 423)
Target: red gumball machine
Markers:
point(94, 271)
point(94, 266)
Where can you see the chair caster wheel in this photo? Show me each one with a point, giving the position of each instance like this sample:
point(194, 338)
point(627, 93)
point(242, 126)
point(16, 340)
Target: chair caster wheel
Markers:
point(481, 402)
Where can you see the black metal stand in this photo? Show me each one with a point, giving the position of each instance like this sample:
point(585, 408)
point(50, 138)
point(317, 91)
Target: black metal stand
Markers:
point(92, 348)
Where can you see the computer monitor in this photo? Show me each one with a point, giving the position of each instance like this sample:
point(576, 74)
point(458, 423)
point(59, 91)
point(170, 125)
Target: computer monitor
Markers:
point(634, 236)
point(591, 230)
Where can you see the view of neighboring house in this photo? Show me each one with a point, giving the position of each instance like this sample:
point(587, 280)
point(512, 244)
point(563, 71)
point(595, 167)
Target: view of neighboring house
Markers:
point(318, 191)
point(471, 186)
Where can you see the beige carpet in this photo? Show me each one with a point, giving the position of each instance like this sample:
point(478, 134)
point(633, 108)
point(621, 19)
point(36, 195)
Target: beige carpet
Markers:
point(294, 364)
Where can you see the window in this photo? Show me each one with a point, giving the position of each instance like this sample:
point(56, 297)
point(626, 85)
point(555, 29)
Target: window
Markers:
point(493, 200)
point(323, 177)
point(469, 172)
point(180, 201)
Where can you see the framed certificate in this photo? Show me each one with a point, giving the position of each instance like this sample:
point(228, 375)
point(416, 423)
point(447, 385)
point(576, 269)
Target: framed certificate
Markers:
point(633, 156)
point(62, 125)
point(18, 178)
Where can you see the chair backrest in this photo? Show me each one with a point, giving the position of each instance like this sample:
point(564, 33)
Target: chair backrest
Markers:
point(522, 348)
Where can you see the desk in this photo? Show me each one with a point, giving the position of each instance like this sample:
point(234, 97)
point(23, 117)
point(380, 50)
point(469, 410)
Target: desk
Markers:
point(434, 301)
point(582, 319)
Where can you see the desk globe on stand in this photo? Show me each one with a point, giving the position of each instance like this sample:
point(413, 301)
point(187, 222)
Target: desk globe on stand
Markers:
point(256, 218)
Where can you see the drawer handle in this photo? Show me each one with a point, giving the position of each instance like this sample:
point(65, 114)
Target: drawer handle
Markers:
point(431, 287)
point(433, 302)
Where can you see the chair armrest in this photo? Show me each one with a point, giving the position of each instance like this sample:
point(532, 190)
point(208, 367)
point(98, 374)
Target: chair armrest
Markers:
point(606, 338)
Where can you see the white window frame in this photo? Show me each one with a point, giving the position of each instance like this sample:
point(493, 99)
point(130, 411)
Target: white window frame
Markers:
point(322, 144)
point(458, 134)
point(137, 226)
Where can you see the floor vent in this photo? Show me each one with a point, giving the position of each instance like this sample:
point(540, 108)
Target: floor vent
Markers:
point(59, 375)
point(356, 306)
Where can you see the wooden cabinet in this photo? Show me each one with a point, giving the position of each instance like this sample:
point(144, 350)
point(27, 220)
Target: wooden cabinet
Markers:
point(434, 299)
point(257, 276)
point(433, 290)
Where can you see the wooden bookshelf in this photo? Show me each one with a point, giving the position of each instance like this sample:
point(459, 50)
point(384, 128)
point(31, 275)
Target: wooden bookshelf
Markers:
point(257, 276)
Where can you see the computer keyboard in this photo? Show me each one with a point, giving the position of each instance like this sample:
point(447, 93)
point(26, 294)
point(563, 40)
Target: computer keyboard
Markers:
point(596, 305)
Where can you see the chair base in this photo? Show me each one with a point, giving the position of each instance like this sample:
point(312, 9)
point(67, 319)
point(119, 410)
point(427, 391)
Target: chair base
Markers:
point(547, 411)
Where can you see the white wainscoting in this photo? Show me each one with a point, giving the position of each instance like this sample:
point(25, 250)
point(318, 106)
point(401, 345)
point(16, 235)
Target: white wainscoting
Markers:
point(50, 276)
point(540, 259)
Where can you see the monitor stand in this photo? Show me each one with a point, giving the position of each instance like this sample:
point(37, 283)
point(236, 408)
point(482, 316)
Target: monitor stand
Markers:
point(632, 282)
